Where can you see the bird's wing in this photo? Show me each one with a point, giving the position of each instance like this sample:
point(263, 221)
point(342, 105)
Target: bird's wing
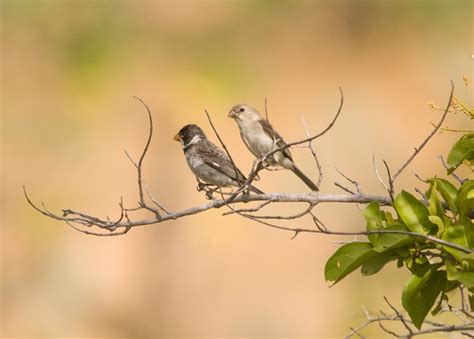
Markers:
point(270, 131)
point(216, 158)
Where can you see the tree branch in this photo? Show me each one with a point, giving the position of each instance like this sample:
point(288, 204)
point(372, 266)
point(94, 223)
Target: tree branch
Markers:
point(419, 148)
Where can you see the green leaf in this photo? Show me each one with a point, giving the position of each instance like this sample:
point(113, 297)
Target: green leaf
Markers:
point(455, 273)
point(374, 221)
point(420, 293)
point(438, 222)
point(452, 271)
point(439, 307)
point(460, 234)
point(462, 150)
point(468, 262)
point(448, 192)
point(386, 241)
point(413, 213)
point(377, 262)
point(465, 197)
point(400, 262)
point(347, 259)
point(435, 207)
point(466, 187)
point(467, 279)
point(388, 217)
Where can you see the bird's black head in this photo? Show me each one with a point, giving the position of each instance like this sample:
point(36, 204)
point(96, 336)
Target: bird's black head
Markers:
point(190, 134)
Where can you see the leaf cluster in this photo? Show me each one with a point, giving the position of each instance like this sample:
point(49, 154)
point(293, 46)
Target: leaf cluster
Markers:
point(435, 268)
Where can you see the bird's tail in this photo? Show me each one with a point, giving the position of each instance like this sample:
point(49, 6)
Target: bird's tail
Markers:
point(304, 178)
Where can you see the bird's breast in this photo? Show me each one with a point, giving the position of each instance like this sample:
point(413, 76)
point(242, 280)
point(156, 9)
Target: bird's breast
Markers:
point(258, 142)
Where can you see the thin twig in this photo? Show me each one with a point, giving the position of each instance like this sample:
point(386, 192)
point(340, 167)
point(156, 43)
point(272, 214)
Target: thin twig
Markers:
point(140, 161)
point(344, 188)
point(223, 145)
point(254, 209)
point(390, 181)
point(378, 175)
point(355, 183)
point(419, 148)
point(419, 177)
point(386, 330)
point(313, 153)
point(454, 175)
point(155, 201)
point(287, 217)
point(331, 124)
point(399, 315)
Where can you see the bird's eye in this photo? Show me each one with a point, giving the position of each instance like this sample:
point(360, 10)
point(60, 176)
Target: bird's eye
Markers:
point(241, 109)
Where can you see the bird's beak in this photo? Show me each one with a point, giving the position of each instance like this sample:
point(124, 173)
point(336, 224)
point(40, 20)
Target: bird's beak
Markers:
point(232, 114)
point(177, 138)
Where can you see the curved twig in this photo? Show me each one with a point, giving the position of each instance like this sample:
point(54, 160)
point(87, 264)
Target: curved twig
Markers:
point(419, 148)
point(150, 134)
point(320, 134)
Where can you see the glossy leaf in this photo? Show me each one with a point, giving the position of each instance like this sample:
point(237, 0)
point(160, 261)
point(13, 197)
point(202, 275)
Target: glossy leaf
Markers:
point(386, 241)
point(465, 197)
point(413, 213)
point(347, 259)
point(468, 262)
point(438, 222)
point(377, 262)
point(462, 150)
point(447, 191)
point(439, 306)
point(434, 206)
point(460, 234)
point(374, 221)
point(420, 293)
point(455, 273)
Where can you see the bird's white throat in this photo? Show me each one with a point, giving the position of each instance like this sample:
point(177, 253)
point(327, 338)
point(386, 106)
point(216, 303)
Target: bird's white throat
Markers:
point(193, 141)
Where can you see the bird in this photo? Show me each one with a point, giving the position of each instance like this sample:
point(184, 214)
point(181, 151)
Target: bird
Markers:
point(261, 138)
point(208, 162)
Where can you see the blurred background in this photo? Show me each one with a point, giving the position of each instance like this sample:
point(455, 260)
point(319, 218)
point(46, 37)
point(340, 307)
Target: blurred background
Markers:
point(69, 70)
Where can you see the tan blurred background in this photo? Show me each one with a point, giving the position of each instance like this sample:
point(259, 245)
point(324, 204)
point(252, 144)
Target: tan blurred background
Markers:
point(69, 70)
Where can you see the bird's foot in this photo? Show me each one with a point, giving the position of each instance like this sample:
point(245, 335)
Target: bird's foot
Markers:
point(210, 192)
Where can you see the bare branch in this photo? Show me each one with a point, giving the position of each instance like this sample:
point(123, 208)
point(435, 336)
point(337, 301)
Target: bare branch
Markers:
point(75, 217)
point(145, 149)
point(155, 201)
point(454, 175)
point(419, 177)
point(282, 217)
point(291, 144)
point(343, 188)
point(399, 315)
point(313, 153)
point(355, 183)
point(387, 188)
point(419, 148)
point(386, 330)
point(254, 209)
point(390, 181)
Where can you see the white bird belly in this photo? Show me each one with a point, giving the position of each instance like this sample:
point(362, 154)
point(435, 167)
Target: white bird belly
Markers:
point(260, 143)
